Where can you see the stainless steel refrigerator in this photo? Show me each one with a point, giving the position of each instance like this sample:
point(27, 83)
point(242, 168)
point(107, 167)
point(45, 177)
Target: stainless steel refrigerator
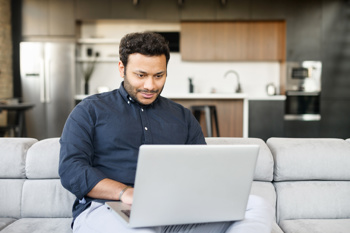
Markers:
point(47, 78)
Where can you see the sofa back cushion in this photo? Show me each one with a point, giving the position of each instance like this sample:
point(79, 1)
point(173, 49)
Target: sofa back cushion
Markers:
point(42, 159)
point(264, 166)
point(10, 198)
point(310, 159)
point(312, 178)
point(43, 195)
point(12, 174)
point(13, 156)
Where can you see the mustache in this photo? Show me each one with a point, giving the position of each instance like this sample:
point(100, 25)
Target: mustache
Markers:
point(148, 91)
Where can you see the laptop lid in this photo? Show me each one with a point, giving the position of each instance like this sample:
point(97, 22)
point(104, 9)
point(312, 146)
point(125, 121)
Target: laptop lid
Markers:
point(183, 184)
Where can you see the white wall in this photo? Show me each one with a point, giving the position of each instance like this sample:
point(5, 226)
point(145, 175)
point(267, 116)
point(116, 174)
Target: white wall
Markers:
point(207, 76)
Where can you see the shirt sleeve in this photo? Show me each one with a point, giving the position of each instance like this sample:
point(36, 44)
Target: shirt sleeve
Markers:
point(195, 133)
point(76, 154)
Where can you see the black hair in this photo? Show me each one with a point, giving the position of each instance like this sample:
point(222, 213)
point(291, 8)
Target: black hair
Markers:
point(145, 43)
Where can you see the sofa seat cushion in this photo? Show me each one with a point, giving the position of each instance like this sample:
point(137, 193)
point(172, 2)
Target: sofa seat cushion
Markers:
point(276, 228)
point(316, 226)
point(265, 190)
point(40, 225)
point(5, 222)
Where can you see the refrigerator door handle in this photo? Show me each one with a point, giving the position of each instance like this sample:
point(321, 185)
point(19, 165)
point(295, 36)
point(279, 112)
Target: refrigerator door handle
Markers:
point(48, 82)
point(42, 81)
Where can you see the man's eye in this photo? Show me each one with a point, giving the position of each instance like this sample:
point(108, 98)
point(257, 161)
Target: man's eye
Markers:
point(159, 76)
point(140, 75)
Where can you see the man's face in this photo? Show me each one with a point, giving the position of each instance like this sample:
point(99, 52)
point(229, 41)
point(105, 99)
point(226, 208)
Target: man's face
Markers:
point(145, 77)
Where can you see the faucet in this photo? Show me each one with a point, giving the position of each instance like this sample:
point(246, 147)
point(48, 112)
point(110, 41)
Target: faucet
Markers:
point(238, 88)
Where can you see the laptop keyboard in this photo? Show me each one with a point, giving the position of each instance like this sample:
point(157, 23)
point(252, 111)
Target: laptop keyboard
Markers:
point(126, 212)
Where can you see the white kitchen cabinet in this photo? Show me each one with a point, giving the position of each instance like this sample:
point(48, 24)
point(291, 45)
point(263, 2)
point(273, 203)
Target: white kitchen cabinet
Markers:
point(48, 18)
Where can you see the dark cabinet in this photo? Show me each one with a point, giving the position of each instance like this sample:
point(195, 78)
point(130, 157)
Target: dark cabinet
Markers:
point(48, 18)
point(121, 9)
point(233, 10)
point(61, 18)
point(92, 9)
point(198, 10)
point(268, 9)
point(162, 10)
point(266, 119)
point(304, 30)
point(302, 129)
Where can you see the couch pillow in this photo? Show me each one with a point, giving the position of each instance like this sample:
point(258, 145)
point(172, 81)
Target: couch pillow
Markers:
point(310, 158)
point(10, 197)
point(264, 166)
point(13, 155)
point(42, 159)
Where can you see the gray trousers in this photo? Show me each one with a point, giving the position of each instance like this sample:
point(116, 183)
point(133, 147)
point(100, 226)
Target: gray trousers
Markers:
point(258, 219)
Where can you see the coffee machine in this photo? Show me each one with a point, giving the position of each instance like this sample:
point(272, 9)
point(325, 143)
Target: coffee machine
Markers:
point(304, 76)
point(303, 90)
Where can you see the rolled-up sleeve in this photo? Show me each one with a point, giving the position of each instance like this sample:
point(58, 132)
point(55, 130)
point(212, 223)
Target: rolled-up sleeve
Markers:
point(77, 150)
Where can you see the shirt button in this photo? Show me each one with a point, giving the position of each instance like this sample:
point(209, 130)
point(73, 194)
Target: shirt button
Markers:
point(146, 128)
point(142, 109)
point(128, 102)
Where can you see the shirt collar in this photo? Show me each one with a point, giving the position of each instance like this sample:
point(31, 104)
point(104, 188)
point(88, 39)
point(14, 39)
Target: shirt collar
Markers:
point(127, 98)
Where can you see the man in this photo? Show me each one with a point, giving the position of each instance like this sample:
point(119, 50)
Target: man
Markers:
point(102, 135)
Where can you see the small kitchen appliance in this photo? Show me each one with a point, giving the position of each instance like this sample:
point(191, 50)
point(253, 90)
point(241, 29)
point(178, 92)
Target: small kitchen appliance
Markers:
point(303, 91)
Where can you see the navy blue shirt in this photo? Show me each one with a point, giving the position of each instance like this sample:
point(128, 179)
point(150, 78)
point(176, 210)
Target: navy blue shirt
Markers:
point(103, 133)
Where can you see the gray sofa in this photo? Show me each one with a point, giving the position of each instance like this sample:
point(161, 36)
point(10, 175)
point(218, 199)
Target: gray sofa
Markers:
point(307, 181)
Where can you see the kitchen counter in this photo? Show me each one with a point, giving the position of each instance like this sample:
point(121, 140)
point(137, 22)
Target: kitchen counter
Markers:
point(212, 96)
point(232, 111)
point(192, 96)
point(267, 97)
point(207, 96)
point(232, 108)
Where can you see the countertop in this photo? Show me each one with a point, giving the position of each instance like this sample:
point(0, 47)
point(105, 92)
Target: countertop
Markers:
point(267, 97)
point(206, 96)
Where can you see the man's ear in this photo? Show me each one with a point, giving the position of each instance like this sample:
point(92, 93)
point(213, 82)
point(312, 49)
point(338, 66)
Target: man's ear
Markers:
point(121, 69)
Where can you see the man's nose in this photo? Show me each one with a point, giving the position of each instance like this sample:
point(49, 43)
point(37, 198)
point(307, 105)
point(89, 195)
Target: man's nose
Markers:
point(149, 83)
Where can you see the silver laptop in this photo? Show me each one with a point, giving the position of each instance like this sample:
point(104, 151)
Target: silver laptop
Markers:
point(184, 184)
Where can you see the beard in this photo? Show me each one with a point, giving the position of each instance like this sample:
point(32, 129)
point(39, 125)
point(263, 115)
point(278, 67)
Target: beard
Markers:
point(132, 91)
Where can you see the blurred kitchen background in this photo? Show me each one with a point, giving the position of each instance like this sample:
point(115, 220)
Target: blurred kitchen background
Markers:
point(291, 59)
